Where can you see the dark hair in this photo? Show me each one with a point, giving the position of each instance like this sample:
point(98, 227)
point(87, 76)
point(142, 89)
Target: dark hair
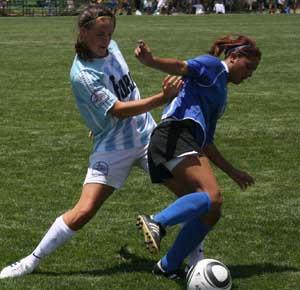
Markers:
point(241, 45)
point(87, 19)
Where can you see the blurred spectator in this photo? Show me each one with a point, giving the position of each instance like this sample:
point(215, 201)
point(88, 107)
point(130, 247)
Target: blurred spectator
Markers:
point(228, 5)
point(280, 5)
point(288, 6)
point(148, 6)
point(138, 6)
point(189, 6)
point(261, 5)
point(161, 7)
point(249, 4)
point(219, 7)
point(70, 5)
point(125, 7)
point(112, 5)
point(3, 4)
point(272, 6)
point(295, 5)
point(199, 8)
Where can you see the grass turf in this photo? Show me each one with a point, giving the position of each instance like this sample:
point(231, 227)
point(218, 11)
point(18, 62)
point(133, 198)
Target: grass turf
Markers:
point(44, 153)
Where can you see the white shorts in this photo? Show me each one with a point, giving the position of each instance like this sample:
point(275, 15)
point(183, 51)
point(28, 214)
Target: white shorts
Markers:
point(113, 168)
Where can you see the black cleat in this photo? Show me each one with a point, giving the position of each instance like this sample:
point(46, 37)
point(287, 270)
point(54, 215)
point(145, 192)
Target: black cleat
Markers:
point(173, 275)
point(153, 232)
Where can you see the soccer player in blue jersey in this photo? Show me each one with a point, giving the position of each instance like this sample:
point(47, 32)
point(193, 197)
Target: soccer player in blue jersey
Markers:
point(109, 102)
point(182, 145)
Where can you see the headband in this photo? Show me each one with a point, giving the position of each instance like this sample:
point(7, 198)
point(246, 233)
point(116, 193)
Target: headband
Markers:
point(236, 48)
point(98, 17)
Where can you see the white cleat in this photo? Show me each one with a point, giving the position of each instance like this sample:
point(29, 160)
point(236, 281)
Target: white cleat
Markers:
point(17, 269)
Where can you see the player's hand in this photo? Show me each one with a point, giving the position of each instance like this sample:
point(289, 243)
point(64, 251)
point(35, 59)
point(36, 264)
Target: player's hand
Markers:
point(143, 53)
point(171, 86)
point(242, 178)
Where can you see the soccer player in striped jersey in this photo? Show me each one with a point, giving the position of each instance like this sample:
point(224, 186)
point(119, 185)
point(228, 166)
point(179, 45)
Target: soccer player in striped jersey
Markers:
point(109, 102)
point(182, 145)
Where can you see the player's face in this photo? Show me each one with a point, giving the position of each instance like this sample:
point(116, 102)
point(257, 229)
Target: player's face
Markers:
point(241, 68)
point(98, 37)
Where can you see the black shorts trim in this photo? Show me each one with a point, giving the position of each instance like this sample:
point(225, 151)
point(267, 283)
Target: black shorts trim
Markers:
point(170, 139)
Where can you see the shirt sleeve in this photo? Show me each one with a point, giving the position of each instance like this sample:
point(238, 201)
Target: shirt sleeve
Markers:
point(196, 68)
point(90, 91)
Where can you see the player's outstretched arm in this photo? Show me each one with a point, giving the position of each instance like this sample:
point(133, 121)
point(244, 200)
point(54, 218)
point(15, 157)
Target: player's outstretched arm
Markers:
point(168, 65)
point(170, 88)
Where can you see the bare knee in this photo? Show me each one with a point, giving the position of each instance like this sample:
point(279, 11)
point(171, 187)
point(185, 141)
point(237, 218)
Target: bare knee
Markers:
point(216, 201)
point(91, 199)
point(212, 217)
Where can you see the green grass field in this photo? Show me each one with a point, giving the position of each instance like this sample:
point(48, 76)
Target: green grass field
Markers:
point(44, 153)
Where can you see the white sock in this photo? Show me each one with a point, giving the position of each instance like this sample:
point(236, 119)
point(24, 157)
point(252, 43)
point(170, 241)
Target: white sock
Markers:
point(196, 255)
point(57, 235)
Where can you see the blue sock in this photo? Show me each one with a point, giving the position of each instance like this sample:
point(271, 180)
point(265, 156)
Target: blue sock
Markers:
point(184, 209)
point(190, 236)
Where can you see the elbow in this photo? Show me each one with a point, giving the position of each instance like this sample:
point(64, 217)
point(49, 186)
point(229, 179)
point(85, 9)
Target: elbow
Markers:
point(182, 68)
point(119, 110)
point(120, 115)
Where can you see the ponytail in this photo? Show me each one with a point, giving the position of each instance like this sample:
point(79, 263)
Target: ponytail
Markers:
point(241, 45)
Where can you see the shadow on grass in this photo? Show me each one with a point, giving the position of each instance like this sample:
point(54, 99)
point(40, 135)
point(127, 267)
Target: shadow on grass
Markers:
point(247, 271)
point(128, 262)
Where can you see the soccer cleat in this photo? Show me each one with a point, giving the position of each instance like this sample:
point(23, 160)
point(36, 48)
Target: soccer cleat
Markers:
point(173, 275)
point(153, 232)
point(18, 269)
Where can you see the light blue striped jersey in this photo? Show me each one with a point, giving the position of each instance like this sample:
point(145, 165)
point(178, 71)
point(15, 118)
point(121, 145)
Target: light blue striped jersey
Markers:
point(97, 85)
point(203, 96)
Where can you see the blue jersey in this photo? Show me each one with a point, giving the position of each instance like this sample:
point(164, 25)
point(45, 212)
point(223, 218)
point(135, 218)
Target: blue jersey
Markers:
point(203, 96)
point(97, 85)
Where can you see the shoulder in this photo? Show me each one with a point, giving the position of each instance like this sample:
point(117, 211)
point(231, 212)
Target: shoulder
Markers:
point(85, 76)
point(204, 62)
point(205, 59)
point(113, 46)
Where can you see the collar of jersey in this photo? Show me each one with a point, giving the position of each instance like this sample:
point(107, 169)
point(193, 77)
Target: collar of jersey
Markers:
point(225, 66)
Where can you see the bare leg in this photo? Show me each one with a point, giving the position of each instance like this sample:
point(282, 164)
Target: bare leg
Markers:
point(63, 229)
point(92, 197)
point(194, 174)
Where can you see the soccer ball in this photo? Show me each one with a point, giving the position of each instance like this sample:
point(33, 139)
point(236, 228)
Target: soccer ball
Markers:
point(209, 274)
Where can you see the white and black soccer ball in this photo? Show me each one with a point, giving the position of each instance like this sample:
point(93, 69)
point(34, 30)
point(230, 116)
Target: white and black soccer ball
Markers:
point(209, 274)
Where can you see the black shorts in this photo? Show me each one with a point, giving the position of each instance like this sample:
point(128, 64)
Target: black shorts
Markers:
point(170, 139)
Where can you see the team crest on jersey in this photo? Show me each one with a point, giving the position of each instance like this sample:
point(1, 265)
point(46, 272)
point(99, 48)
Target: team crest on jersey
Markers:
point(98, 98)
point(100, 169)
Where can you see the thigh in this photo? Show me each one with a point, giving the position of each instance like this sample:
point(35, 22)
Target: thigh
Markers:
point(92, 197)
point(193, 173)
